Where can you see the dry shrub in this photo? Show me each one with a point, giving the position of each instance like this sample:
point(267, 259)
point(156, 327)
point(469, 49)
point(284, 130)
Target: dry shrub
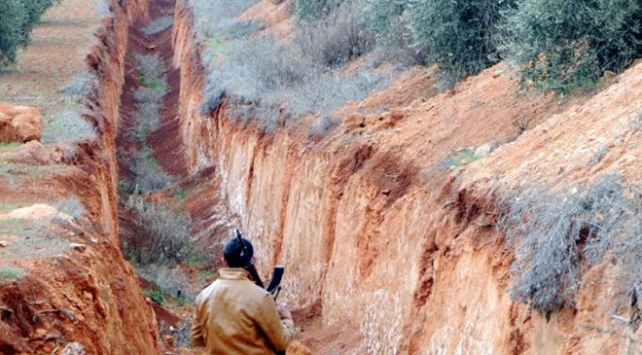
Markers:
point(554, 233)
point(162, 232)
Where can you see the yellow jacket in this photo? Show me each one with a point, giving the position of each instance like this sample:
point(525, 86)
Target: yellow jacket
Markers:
point(234, 316)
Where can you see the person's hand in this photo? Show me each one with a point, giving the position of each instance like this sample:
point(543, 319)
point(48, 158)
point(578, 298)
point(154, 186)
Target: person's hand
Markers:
point(283, 311)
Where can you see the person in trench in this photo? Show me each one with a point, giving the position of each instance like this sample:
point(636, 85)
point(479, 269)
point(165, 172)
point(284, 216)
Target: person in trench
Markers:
point(234, 315)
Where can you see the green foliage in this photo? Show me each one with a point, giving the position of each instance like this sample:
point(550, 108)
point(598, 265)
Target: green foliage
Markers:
point(150, 66)
point(8, 273)
point(568, 45)
point(34, 10)
point(170, 284)
point(385, 18)
point(12, 18)
point(314, 9)
point(154, 84)
point(456, 35)
point(9, 146)
point(198, 260)
point(161, 296)
point(155, 295)
point(179, 195)
point(461, 157)
point(17, 19)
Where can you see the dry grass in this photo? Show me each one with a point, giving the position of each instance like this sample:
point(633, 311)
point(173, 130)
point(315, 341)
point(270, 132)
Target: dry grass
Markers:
point(555, 232)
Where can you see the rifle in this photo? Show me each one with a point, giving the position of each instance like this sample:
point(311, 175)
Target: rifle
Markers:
point(274, 287)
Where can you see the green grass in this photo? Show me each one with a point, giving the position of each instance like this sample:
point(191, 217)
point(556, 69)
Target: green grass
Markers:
point(148, 155)
point(27, 169)
point(155, 295)
point(9, 146)
point(214, 42)
point(197, 260)
point(154, 84)
point(8, 273)
point(461, 158)
point(180, 195)
point(8, 207)
point(17, 174)
point(162, 296)
point(13, 227)
point(31, 241)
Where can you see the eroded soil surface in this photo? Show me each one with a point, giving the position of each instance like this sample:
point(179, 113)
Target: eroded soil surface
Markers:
point(387, 224)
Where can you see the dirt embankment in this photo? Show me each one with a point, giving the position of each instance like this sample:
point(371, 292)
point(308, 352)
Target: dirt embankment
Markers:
point(63, 278)
point(387, 224)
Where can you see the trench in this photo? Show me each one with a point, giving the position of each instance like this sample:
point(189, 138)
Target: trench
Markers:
point(160, 200)
point(384, 258)
point(153, 179)
point(155, 188)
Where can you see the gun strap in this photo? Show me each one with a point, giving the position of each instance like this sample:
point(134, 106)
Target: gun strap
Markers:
point(255, 275)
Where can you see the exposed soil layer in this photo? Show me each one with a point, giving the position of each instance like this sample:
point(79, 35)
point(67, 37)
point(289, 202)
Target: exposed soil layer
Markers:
point(386, 224)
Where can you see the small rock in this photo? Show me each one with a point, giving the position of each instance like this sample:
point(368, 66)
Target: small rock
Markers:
point(34, 153)
point(4, 244)
point(36, 212)
point(297, 348)
point(608, 75)
point(483, 150)
point(19, 123)
point(73, 349)
point(78, 247)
